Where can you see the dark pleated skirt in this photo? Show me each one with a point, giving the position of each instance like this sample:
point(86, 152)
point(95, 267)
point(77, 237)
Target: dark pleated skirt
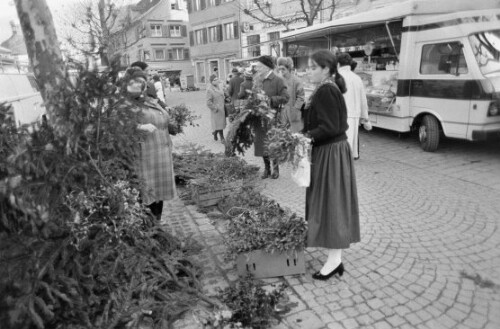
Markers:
point(332, 210)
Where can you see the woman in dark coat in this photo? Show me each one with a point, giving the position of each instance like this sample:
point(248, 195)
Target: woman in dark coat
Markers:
point(331, 198)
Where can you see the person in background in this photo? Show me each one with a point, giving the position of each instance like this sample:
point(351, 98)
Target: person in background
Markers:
point(332, 211)
point(159, 88)
point(355, 100)
point(155, 163)
point(234, 86)
point(291, 114)
point(275, 89)
point(215, 102)
point(247, 84)
point(215, 73)
point(151, 90)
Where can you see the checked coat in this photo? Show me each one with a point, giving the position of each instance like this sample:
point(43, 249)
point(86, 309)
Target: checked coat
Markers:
point(154, 162)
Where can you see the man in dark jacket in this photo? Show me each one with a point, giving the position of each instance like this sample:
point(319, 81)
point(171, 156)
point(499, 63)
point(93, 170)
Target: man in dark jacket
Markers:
point(234, 86)
point(275, 89)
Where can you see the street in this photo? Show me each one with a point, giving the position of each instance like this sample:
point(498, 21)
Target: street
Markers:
point(429, 255)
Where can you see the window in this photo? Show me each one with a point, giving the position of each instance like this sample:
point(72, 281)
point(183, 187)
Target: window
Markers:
point(159, 54)
point(175, 30)
point(253, 51)
point(199, 37)
point(486, 50)
point(228, 31)
point(176, 54)
point(443, 58)
point(211, 3)
point(156, 30)
point(212, 34)
point(274, 45)
point(196, 5)
point(147, 55)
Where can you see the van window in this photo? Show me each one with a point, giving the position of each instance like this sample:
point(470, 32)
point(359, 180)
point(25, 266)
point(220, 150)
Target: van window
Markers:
point(443, 58)
point(486, 49)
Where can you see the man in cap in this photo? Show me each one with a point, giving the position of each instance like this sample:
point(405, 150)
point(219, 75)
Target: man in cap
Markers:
point(291, 115)
point(276, 90)
point(355, 101)
point(234, 85)
point(150, 90)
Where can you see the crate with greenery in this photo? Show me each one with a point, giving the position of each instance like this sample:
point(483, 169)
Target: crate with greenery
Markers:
point(267, 241)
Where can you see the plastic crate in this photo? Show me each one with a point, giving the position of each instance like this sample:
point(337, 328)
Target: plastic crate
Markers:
point(265, 265)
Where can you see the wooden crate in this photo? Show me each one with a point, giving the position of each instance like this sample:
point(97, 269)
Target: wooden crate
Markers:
point(205, 196)
point(265, 265)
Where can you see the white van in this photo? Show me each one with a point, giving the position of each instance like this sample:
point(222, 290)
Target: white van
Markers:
point(431, 66)
point(21, 91)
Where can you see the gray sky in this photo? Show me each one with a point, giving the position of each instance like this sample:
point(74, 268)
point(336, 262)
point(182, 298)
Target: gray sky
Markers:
point(8, 13)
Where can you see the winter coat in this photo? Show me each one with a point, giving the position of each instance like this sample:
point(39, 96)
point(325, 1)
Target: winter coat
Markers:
point(215, 102)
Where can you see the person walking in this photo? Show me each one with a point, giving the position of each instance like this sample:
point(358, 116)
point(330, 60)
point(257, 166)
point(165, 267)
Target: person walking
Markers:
point(154, 163)
point(275, 89)
point(355, 100)
point(291, 114)
point(215, 102)
point(332, 210)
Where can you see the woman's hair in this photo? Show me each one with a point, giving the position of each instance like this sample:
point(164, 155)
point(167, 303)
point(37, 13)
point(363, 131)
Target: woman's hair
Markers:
point(324, 58)
point(156, 77)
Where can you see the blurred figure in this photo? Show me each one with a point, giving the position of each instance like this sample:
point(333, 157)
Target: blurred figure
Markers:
point(291, 114)
point(158, 87)
point(356, 103)
point(215, 102)
point(151, 90)
point(247, 84)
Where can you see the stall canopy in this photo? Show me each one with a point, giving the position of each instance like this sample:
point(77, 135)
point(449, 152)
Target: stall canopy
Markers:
point(390, 13)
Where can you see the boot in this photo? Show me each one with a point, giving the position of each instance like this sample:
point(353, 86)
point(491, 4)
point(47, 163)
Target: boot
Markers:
point(276, 170)
point(215, 135)
point(221, 134)
point(267, 168)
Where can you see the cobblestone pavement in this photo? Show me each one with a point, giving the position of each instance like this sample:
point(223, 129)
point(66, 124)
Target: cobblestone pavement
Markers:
point(429, 255)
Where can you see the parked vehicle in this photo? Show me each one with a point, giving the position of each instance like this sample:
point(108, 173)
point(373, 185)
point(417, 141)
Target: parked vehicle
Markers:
point(430, 66)
point(21, 91)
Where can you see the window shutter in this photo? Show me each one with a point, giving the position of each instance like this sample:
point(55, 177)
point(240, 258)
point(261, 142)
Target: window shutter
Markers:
point(236, 30)
point(203, 4)
point(186, 53)
point(219, 33)
point(137, 33)
point(170, 55)
point(217, 2)
point(205, 36)
point(191, 38)
point(183, 30)
point(139, 53)
point(148, 30)
point(190, 6)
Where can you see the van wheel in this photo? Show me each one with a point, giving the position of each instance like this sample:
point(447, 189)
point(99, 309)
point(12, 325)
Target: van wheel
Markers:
point(428, 133)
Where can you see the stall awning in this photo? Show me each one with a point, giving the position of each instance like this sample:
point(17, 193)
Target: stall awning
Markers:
point(391, 12)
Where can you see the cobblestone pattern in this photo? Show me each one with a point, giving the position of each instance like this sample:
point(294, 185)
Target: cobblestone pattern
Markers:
point(430, 250)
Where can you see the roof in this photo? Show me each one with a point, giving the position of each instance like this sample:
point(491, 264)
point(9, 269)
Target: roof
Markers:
point(397, 11)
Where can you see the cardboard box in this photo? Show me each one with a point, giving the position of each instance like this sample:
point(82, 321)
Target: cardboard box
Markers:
point(265, 265)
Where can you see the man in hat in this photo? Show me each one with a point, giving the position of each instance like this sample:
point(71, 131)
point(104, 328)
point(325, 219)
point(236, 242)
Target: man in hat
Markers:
point(291, 115)
point(355, 101)
point(276, 90)
point(234, 85)
point(150, 89)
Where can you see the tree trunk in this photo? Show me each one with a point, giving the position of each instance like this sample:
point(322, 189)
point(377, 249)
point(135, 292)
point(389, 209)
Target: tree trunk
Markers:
point(103, 49)
point(42, 45)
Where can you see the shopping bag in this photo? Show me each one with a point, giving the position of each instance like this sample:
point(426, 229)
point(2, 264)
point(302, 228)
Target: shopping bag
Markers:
point(301, 174)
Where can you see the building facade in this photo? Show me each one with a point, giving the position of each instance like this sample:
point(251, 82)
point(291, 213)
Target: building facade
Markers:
point(157, 34)
point(214, 37)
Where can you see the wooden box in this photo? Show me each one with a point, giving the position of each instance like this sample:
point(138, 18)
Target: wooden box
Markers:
point(205, 196)
point(265, 265)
